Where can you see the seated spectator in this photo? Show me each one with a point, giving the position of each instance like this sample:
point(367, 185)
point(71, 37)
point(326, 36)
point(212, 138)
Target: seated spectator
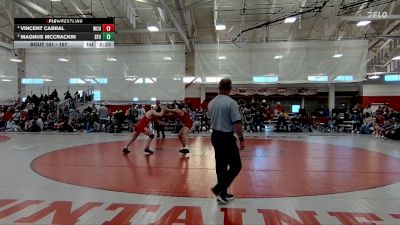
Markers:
point(92, 123)
point(278, 108)
point(32, 125)
point(258, 119)
point(8, 114)
point(204, 121)
point(367, 124)
point(119, 116)
point(2, 122)
point(50, 121)
point(333, 123)
point(282, 124)
point(368, 110)
point(381, 130)
point(196, 117)
point(357, 121)
point(40, 124)
point(394, 133)
point(248, 122)
point(11, 126)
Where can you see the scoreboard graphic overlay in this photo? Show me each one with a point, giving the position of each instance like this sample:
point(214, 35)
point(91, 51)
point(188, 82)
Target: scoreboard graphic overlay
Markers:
point(64, 33)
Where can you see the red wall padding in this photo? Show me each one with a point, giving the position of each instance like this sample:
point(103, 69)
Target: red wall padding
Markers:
point(195, 102)
point(113, 108)
point(393, 101)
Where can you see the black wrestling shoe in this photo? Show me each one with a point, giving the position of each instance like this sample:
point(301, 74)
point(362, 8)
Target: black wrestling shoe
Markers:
point(184, 151)
point(221, 199)
point(148, 151)
point(125, 150)
point(229, 197)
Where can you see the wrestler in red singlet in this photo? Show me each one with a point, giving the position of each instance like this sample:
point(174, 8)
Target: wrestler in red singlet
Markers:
point(141, 126)
point(186, 120)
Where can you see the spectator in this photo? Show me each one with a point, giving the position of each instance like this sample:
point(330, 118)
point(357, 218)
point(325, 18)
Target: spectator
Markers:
point(54, 94)
point(248, 122)
point(103, 115)
point(367, 124)
point(394, 133)
point(11, 126)
point(67, 95)
point(141, 112)
point(279, 108)
point(159, 125)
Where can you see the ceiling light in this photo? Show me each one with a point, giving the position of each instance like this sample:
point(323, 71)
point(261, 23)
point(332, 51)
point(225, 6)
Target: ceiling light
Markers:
point(48, 80)
point(396, 58)
point(153, 29)
point(112, 59)
point(177, 78)
point(290, 20)
point(6, 80)
point(167, 58)
point(278, 57)
point(15, 60)
point(63, 60)
point(373, 77)
point(56, 0)
point(363, 23)
point(2, 76)
point(337, 55)
point(220, 27)
point(222, 57)
point(129, 79)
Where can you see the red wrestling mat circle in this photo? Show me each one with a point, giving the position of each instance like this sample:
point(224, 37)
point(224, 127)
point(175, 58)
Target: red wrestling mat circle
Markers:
point(4, 138)
point(271, 168)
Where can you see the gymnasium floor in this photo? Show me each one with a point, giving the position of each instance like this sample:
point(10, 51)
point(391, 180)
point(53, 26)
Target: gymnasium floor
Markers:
point(296, 179)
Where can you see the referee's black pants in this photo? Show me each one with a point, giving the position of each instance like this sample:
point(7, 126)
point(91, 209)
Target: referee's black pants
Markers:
point(227, 159)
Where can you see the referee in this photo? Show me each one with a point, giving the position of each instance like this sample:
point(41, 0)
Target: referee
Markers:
point(225, 121)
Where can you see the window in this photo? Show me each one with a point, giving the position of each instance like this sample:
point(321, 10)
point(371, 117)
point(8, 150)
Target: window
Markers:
point(135, 99)
point(32, 80)
point(188, 80)
point(102, 80)
point(91, 81)
point(318, 78)
point(97, 95)
point(150, 80)
point(295, 108)
point(23, 99)
point(394, 77)
point(344, 78)
point(265, 79)
point(139, 81)
point(213, 79)
point(76, 81)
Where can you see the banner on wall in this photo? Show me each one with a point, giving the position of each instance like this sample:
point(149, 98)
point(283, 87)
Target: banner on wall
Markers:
point(273, 91)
